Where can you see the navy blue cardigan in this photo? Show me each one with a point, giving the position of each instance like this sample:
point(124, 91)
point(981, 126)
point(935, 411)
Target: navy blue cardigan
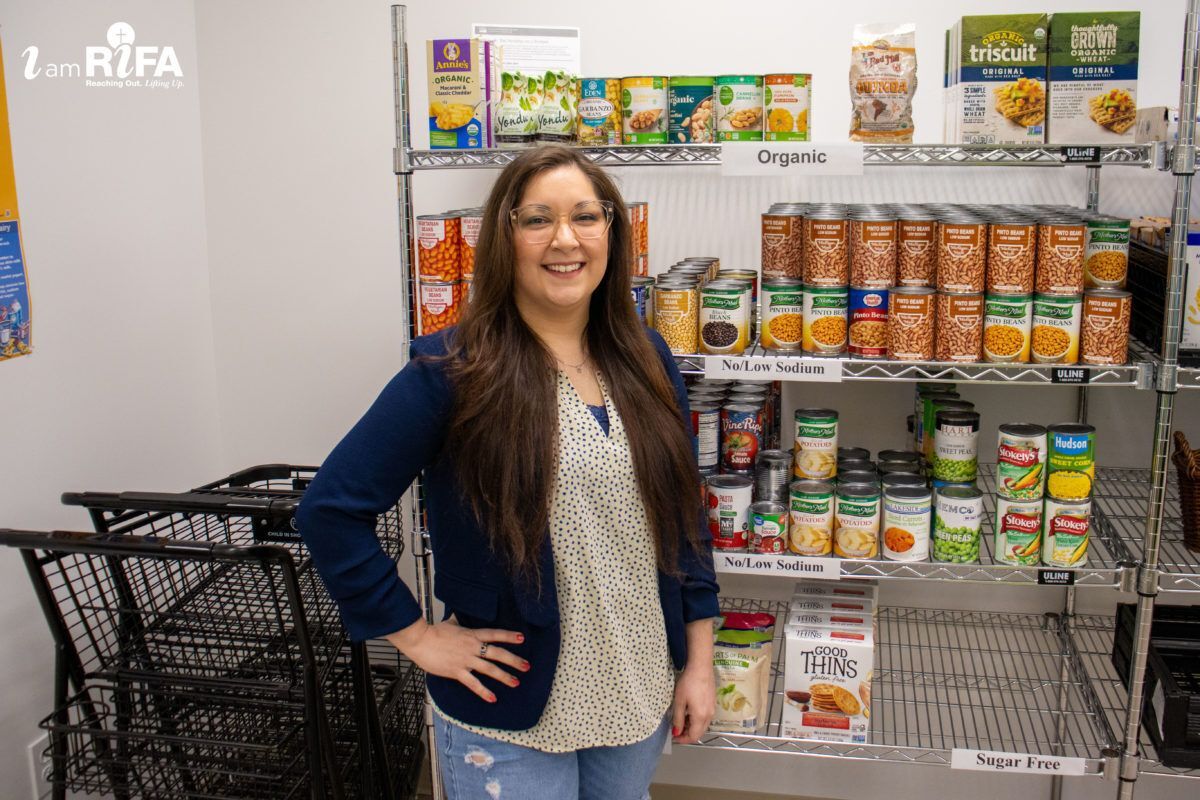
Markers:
point(401, 435)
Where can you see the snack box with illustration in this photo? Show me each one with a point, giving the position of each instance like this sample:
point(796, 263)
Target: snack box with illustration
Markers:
point(859, 605)
point(1093, 77)
point(847, 589)
point(827, 683)
point(829, 619)
point(998, 79)
point(464, 91)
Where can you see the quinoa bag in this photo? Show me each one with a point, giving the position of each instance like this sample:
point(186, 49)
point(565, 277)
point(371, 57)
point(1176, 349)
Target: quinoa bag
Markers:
point(883, 80)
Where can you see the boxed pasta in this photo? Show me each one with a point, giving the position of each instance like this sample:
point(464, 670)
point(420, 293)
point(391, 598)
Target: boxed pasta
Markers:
point(742, 651)
point(1093, 77)
point(827, 683)
point(464, 92)
point(1000, 79)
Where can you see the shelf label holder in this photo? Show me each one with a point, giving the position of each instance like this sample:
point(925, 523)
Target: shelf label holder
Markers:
point(816, 370)
point(1028, 763)
point(790, 159)
point(792, 566)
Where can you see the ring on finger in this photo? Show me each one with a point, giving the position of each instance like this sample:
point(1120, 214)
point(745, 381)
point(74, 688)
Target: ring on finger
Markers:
point(483, 648)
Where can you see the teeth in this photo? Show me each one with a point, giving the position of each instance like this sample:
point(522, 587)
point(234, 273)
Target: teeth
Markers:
point(564, 267)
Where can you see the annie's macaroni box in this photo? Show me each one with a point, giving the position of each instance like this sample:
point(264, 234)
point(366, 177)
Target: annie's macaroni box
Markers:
point(827, 683)
point(1093, 77)
point(999, 78)
point(464, 91)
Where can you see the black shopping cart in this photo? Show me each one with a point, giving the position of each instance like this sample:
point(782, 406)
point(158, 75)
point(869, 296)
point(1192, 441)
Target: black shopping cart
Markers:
point(199, 656)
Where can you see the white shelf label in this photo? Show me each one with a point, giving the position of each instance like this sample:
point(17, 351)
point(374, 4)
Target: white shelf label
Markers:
point(829, 569)
point(818, 370)
point(790, 159)
point(996, 761)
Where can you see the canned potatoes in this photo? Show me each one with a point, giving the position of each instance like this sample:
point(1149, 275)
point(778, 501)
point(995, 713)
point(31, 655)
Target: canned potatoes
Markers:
point(816, 443)
point(856, 521)
point(811, 526)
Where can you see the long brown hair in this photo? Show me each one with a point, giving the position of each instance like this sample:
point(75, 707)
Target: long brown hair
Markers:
point(505, 405)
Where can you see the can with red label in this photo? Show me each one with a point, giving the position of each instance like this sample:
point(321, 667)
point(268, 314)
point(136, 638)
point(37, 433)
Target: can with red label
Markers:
point(1018, 531)
point(741, 436)
point(469, 224)
point(441, 305)
point(1068, 524)
point(729, 499)
point(769, 528)
point(439, 247)
point(868, 322)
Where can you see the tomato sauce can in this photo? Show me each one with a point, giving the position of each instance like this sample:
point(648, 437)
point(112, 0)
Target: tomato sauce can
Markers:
point(729, 499)
point(769, 531)
point(741, 436)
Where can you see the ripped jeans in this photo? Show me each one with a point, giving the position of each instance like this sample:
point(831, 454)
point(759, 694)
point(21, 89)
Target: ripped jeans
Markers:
point(477, 767)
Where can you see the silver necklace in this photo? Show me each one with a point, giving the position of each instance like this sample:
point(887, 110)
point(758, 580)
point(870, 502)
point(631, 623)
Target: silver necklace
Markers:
point(577, 367)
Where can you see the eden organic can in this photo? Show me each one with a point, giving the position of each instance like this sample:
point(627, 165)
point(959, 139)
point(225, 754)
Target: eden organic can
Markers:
point(856, 521)
point(957, 518)
point(810, 532)
point(769, 533)
point(816, 443)
point(599, 123)
point(729, 498)
point(1070, 461)
point(1068, 527)
point(772, 474)
point(706, 436)
point(738, 101)
point(1018, 531)
point(1021, 461)
point(907, 516)
point(786, 100)
point(741, 436)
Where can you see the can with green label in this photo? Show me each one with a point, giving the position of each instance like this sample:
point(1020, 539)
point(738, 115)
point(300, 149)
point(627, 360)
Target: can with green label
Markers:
point(781, 324)
point(691, 109)
point(810, 530)
point(644, 110)
point(1106, 253)
point(739, 107)
point(1070, 461)
point(1018, 531)
point(724, 317)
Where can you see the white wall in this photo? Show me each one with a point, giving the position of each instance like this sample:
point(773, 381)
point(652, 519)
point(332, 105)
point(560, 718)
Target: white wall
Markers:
point(121, 389)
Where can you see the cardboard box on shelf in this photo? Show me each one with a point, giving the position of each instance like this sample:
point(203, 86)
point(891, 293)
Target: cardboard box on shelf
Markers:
point(464, 90)
point(836, 589)
point(827, 683)
point(1093, 77)
point(1156, 124)
point(999, 78)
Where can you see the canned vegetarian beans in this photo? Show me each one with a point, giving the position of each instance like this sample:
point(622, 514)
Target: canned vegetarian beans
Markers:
point(916, 248)
point(1106, 253)
point(729, 498)
point(786, 100)
point(1007, 322)
point(1012, 256)
point(959, 329)
point(781, 323)
point(856, 521)
point(772, 474)
point(724, 317)
point(1021, 461)
point(957, 519)
point(810, 530)
point(1056, 325)
point(1068, 526)
point(769, 527)
point(738, 101)
point(816, 443)
point(826, 247)
point(1070, 461)
point(1104, 331)
point(1018, 531)
point(441, 305)
point(644, 110)
point(962, 254)
point(907, 516)
point(1060, 256)
point(872, 248)
point(910, 323)
point(868, 322)
point(783, 243)
point(469, 224)
point(741, 436)
point(825, 310)
point(956, 446)
point(706, 436)
point(439, 247)
point(691, 102)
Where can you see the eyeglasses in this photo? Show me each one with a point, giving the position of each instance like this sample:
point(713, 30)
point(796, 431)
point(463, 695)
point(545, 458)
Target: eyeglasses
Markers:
point(538, 224)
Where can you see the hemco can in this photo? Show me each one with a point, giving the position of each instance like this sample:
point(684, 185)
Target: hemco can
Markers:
point(1018, 531)
point(769, 532)
point(1068, 527)
point(907, 517)
point(856, 521)
point(816, 443)
point(957, 519)
point(729, 498)
point(810, 531)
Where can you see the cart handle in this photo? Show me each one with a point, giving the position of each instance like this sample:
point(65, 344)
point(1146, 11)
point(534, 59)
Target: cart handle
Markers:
point(185, 502)
point(112, 544)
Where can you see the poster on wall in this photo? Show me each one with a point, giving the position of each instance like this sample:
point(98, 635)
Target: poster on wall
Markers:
point(16, 336)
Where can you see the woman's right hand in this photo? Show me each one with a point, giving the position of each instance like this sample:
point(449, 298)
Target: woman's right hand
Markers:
point(449, 650)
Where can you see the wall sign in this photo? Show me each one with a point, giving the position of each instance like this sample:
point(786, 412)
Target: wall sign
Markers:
point(790, 159)
point(16, 331)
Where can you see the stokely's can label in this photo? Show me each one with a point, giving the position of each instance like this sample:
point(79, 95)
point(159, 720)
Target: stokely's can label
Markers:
point(1068, 527)
point(1018, 531)
point(1021, 462)
point(729, 498)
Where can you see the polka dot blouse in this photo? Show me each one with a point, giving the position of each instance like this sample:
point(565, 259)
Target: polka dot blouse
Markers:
point(614, 680)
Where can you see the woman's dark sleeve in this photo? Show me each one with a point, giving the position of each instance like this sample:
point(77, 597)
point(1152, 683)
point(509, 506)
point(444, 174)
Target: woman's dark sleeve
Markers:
point(699, 578)
point(363, 477)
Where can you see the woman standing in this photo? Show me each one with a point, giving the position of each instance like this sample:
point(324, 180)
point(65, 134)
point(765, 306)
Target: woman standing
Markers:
point(563, 509)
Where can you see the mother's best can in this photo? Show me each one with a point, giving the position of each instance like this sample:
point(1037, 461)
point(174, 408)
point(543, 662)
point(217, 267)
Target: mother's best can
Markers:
point(729, 498)
point(907, 516)
point(1018, 531)
point(1070, 461)
point(1068, 527)
point(957, 520)
point(856, 521)
point(724, 318)
point(816, 443)
point(769, 527)
point(810, 530)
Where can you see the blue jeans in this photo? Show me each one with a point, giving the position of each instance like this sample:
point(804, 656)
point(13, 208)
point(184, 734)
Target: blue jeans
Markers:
point(477, 767)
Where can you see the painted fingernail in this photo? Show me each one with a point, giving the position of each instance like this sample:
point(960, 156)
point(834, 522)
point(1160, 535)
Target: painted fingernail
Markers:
point(516, 682)
point(520, 638)
point(525, 666)
point(675, 731)
point(491, 698)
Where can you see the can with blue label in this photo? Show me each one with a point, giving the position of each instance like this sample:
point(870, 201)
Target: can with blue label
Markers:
point(691, 109)
point(868, 322)
point(639, 288)
point(599, 123)
point(1070, 461)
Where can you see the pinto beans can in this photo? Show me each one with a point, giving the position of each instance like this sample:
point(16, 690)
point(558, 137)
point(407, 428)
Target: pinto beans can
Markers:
point(869, 323)
point(741, 436)
point(729, 499)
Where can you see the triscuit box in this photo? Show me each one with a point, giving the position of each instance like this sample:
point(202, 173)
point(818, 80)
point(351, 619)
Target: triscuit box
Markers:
point(827, 683)
point(464, 91)
point(1001, 81)
point(1093, 77)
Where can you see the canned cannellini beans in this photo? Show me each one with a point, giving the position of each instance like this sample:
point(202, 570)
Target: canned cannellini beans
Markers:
point(910, 323)
point(691, 103)
point(1104, 335)
point(739, 107)
point(438, 247)
point(1056, 325)
point(959, 327)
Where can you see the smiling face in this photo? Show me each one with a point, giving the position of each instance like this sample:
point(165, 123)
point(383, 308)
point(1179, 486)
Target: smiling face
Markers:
point(558, 277)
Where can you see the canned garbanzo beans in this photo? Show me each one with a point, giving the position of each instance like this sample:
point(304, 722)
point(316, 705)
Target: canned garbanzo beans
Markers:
point(676, 315)
point(856, 521)
point(781, 323)
point(1057, 320)
point(825, 310)
point(1007, 321)
point(1106, 253)
point(599, 123)
point(644, 110)
point(811, 527)
point(724, 318)
point(438, 247)
point(786, 100)
point(739, 105)
point(1104, 334)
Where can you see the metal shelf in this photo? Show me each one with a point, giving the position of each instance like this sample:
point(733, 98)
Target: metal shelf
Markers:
point(1091, 638)
point(939, 155)
point(1188, 377)
point(954, 679)
point(1122, 520)
point(1108, 557)
point(1138, 373)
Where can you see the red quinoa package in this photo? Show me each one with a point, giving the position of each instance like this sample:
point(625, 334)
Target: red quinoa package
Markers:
point(883, 80)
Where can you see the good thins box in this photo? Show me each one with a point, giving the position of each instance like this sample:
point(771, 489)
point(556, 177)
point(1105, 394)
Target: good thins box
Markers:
point(998, 79)
point(830, 619)
point(1093, 77)
point(464, 91)
point(850, 605)
point(868, 591)
point(827, 683)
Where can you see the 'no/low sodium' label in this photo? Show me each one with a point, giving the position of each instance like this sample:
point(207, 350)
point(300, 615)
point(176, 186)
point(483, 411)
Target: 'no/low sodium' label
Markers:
point(821, 370)
point(791, 159)
point(787, 565)
point(996, 761)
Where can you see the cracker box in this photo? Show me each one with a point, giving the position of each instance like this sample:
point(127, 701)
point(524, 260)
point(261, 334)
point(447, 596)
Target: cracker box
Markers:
point(827, 683)
point(1000, 86)
point(830, 619)
point(867, 591)
point(848, 604)
point(464, 91)
point(1093, 77)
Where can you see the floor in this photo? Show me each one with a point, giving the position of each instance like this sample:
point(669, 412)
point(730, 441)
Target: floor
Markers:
point(663, 792)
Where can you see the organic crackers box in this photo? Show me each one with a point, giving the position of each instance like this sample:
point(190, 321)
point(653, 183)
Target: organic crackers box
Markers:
point(464, 91)
point(1093, 77)
point(1000, 79)
point(827, 683)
